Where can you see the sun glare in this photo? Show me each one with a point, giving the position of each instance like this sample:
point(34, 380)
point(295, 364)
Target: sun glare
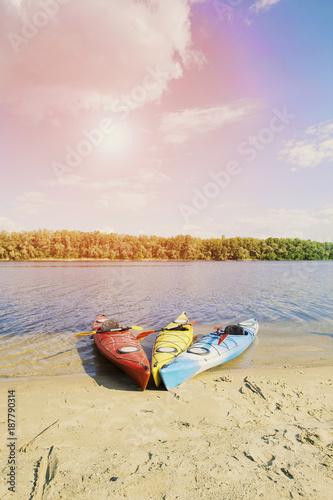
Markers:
point(118, 143)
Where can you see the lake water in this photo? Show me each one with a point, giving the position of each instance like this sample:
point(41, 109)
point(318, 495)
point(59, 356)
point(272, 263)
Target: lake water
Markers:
point(43, 305)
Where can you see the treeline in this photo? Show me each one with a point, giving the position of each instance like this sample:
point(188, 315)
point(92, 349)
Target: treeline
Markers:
point(45, 244)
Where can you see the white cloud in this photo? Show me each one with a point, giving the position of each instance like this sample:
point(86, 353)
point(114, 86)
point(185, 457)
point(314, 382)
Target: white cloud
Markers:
point(261, 5)
point(150, 176)
point(31, 203)
point(145, 176)
point(79, 182)
point(136, 192)
point(101, 51)
point(191, 227)
point(197, 231)
point(106, 229)
point(256, 222)
point(232, 205)
point(9, 225)
point(285, 223)
point(315, 147)
point(179, 127)
point(123, 202)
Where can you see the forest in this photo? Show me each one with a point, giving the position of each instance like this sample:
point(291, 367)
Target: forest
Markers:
point(64, 244)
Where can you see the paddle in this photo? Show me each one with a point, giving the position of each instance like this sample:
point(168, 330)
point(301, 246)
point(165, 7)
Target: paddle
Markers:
point(134, 327)
point(145, 334)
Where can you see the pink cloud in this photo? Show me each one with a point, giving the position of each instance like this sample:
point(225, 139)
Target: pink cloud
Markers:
point(178, 127)
point(88, 54)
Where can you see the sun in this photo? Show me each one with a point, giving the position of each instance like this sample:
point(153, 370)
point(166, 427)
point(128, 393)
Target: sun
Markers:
point(119, 142)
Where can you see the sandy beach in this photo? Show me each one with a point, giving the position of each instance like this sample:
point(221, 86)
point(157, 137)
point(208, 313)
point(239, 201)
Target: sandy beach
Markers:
point(231, 434)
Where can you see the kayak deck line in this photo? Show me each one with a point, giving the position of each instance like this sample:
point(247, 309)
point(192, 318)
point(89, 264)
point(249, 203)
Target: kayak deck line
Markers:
point(174, 339)
point(122, 357)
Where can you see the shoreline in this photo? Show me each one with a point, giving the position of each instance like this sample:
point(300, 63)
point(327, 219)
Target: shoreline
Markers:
point(139, 260)
point(231, 368)
point(61, 354)
point(57, 354)
point(253, 432)
point(160, 260)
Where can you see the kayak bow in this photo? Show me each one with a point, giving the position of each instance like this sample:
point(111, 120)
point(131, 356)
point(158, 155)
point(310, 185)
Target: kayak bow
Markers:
point(123, 350)
point(174, 339)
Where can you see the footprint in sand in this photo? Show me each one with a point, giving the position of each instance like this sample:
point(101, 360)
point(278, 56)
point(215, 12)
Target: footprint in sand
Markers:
point(44, 473)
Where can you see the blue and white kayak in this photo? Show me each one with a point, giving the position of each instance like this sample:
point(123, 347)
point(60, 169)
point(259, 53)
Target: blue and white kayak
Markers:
point(212, 350)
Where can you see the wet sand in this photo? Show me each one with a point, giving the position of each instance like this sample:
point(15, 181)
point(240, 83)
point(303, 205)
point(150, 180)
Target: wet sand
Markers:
point(55, 354)
point(229, 433)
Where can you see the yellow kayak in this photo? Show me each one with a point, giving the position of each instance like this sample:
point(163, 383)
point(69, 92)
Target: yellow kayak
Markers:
point(174, 339)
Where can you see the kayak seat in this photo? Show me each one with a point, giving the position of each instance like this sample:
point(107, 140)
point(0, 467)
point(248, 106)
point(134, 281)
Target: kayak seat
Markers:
point(178, 328)
point(234, 330)
point(109, 324)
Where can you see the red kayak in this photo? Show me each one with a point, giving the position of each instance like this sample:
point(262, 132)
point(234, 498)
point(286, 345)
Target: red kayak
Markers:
point(121, 348)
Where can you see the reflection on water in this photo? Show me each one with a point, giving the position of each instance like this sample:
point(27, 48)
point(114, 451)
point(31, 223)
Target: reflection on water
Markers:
point(43, 304)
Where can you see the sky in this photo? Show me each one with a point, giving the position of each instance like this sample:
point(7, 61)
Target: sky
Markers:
point(167, 117)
